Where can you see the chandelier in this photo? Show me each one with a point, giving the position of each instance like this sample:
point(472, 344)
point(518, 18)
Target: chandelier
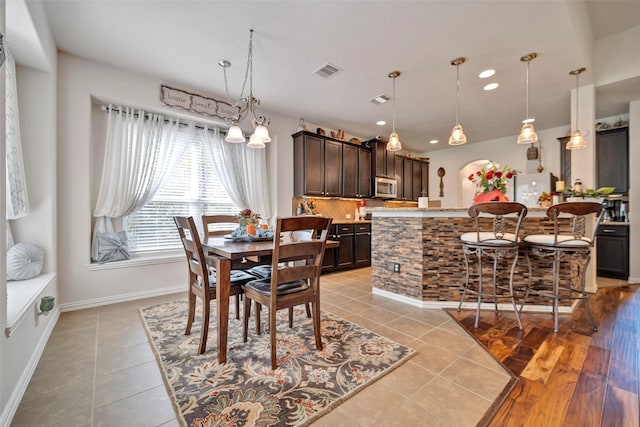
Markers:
point(528, 134)
point(577, 140)
point(246, 106)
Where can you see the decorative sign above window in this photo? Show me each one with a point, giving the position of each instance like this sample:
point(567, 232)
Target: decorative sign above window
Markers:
point(197, 103)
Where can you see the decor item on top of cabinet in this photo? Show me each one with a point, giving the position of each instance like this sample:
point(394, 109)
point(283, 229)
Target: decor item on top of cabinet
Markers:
point(339, 134)
point(320, 131)
point(492, 183)
point(301, 124)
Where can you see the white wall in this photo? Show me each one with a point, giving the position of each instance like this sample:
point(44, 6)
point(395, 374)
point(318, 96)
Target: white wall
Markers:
point(4, 391)
point(503, 151)
point(617, 57)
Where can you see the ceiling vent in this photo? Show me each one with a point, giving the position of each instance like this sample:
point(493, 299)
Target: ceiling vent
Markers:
point(380, 99)
point(327, 70)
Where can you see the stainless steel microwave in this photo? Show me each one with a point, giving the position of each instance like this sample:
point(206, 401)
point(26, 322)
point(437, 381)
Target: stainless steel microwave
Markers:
point(386, 188)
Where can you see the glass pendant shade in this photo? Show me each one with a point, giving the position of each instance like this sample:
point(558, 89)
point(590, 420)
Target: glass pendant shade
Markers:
point(576, 142)
point(457, 136)
point(527, 135)
point(262, 134)
point(255, 142)
point(235, 135)
point(394, 143)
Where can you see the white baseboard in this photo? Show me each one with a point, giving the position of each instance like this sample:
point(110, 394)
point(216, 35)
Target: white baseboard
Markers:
point(468, 305)
point(633, 279)
point(114, 299)
point(18, 391)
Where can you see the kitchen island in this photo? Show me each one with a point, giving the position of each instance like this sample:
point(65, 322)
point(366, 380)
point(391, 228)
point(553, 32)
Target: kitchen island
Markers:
point(423, 244)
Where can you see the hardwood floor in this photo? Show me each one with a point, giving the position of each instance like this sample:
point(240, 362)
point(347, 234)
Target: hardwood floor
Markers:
point(576, 377)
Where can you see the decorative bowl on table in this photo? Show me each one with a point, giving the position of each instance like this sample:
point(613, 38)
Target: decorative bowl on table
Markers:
point(240, 235)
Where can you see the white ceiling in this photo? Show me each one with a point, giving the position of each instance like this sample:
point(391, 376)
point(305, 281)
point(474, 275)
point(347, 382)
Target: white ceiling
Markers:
point(181, 42)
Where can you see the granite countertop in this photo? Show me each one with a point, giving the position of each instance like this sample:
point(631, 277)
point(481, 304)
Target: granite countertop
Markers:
point(351, 221)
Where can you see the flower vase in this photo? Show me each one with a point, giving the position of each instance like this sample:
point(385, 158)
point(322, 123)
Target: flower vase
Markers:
point(491, 196)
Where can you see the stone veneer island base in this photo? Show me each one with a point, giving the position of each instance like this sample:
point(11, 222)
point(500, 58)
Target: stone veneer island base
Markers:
point(426, 245)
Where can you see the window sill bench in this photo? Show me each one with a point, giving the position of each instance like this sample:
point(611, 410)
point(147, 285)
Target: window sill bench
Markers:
point(22, 299)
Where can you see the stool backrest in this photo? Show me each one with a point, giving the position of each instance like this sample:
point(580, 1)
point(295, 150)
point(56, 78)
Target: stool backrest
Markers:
point(579, 211)
point(499, 211)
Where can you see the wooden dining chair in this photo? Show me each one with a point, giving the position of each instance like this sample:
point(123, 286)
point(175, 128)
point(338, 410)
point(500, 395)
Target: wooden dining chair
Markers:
point(296, 284)
point(202, 283)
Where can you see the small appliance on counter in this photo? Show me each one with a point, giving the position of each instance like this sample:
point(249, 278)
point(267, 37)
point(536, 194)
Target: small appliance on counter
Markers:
point(616, 209)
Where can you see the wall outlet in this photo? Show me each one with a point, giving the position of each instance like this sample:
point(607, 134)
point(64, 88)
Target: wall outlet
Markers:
point(396, 267)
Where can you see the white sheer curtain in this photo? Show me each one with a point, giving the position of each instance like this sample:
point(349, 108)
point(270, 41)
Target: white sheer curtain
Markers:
point(141, 151)
point(16, 182)
point(241, 170)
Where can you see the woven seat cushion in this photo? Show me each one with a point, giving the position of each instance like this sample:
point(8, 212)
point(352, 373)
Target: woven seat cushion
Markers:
point(489, 238)
point(564, 240)
point(261, 271)
point(264, 286)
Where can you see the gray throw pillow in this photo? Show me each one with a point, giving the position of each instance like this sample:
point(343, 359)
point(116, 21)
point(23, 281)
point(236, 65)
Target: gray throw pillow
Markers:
point(24, 261)
point(112, 246)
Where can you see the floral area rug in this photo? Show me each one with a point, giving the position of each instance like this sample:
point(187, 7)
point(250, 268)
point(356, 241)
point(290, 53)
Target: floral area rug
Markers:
point(245, 391)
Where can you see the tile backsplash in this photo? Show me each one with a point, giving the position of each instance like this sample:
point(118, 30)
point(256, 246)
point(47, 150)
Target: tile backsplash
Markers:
point(340, 209)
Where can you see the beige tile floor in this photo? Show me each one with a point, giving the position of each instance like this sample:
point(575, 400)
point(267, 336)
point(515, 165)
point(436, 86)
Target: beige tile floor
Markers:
point(98, 368)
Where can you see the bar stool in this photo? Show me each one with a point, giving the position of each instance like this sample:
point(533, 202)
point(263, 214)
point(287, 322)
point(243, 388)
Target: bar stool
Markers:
point(502, 242)
point(574, 246)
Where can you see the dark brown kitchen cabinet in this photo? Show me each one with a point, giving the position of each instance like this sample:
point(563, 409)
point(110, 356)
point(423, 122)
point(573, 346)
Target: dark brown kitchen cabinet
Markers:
point(407, 179)
point(424, 167)
point(350, 179)
point(328, 261)
point(384, 164)
point(362, 245)
point(356, 175)
point(332, 168)
point(364, 173)
point(317, 166)
point(398, 166)
point(345, 253)
point(612, 159)
point(612, 251)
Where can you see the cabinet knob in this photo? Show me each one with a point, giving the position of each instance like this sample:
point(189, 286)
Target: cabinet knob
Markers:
point(608, 231)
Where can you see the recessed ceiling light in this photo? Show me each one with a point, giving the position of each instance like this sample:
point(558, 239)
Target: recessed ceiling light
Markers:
point(491, 86)
point(381, 123)
point(528, 120)
point(433, 141)
point(487, 73)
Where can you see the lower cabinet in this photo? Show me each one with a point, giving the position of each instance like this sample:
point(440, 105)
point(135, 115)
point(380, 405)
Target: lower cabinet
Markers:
point(612, 251)
point(354, 250)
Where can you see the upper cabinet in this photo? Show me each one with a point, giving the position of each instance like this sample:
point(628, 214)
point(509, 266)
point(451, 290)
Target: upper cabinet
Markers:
point(327, 167)
point(612, 159)
point(384, 164)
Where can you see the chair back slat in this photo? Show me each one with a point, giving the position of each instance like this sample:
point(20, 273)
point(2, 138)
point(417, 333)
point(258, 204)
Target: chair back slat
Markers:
point(506, 219)
point(218, 225)
point(198, 271)
point(578, 211)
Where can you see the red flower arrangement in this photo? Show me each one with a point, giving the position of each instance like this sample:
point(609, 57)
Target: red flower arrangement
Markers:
point(247, 217)
point(492, 182)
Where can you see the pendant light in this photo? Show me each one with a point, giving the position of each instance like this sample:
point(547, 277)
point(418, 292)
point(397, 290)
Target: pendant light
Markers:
point(577, 140)
point(457, 134)
point(528, 134)
point(394, 141)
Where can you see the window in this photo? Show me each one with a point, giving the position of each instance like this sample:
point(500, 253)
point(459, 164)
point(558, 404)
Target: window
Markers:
point(192, 190)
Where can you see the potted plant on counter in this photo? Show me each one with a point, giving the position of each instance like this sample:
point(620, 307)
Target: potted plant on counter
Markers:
point(589, 195)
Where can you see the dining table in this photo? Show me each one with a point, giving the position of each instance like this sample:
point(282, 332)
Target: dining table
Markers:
point(227, 254)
